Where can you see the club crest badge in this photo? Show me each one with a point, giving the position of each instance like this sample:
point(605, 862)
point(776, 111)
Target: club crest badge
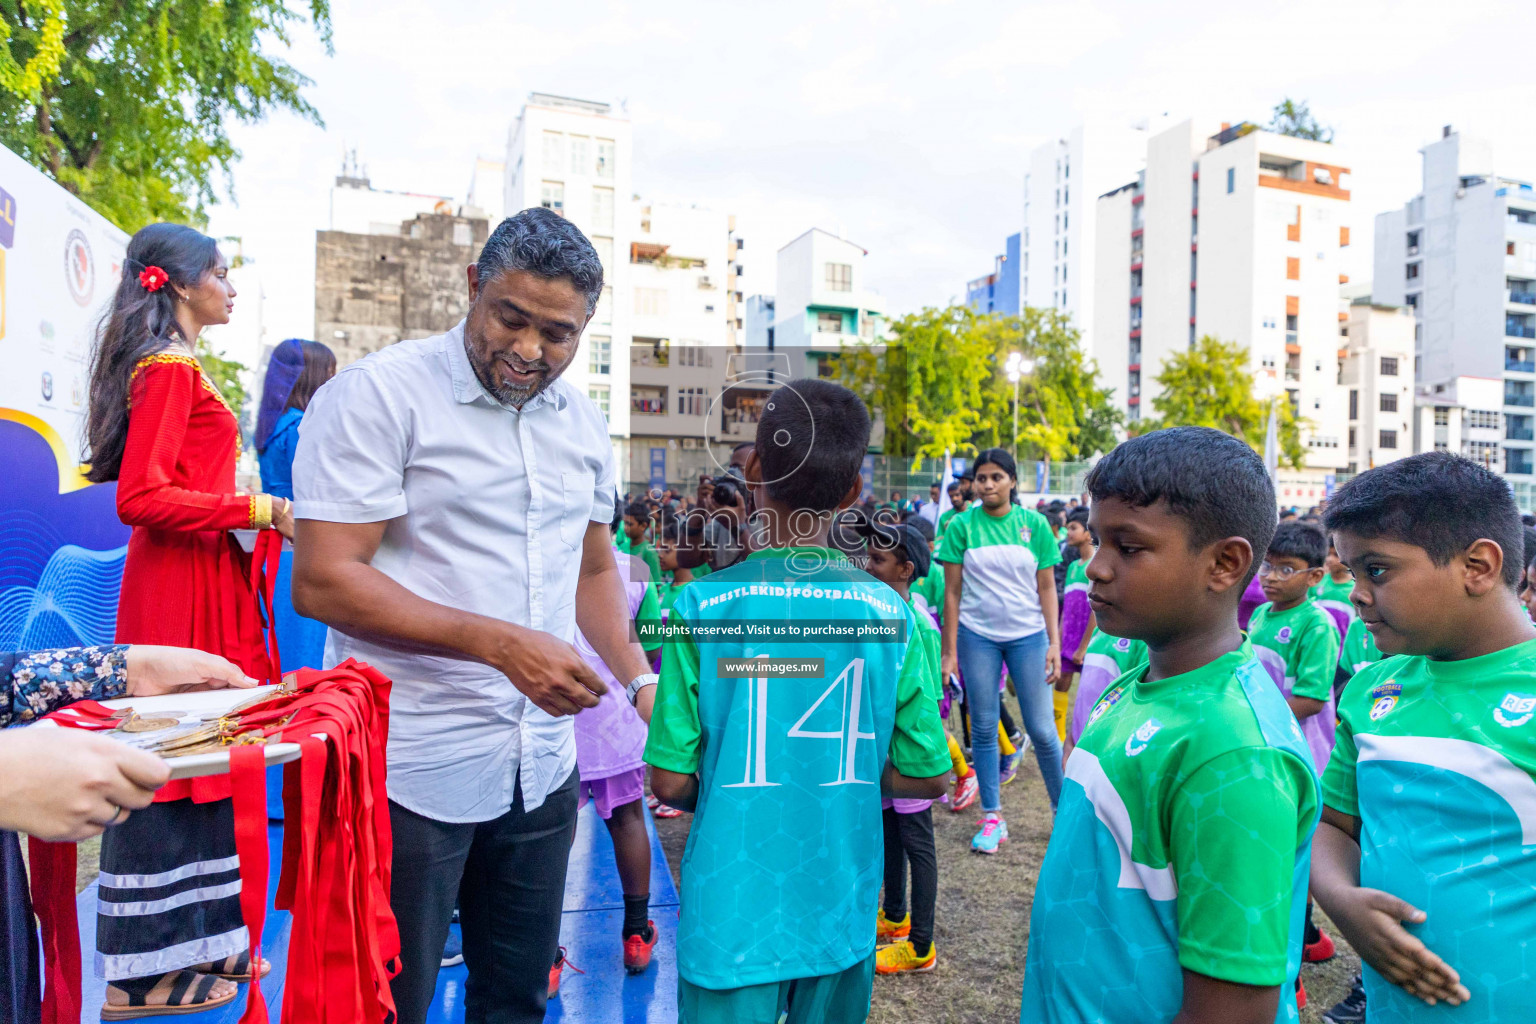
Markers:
point(1122, 645)
point(1024, 533)
point(1515, 710)
point(1106, 702)
point(1137, 742)
point(1383, 707)
point(1284, 636)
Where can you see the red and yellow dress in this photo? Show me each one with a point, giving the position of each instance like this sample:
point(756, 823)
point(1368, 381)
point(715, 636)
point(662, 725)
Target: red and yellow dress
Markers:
point(187, 582)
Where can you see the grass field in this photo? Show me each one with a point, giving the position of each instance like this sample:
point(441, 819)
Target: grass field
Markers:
point(982, 926)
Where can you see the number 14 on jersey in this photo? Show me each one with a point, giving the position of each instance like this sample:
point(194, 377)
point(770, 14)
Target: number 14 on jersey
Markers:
point(849, 688)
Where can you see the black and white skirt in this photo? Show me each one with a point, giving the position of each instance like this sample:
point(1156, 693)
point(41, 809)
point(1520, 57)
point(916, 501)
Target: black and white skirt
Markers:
point(170, 891)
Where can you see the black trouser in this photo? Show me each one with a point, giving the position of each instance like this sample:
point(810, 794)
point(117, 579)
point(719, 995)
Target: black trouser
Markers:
point(508, 876)
point(909, 840)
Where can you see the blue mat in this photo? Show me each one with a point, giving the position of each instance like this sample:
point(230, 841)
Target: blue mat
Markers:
point(589, 930)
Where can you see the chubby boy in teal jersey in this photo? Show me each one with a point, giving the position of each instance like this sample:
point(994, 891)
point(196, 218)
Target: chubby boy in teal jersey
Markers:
point(1174, 885)
point(1426, 857)
point(785, 771)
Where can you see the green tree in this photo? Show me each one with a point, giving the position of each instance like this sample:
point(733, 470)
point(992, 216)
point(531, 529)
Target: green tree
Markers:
point(1294, 119)
point(940, 386)
point(127, 105)
point(1212, 385)
point(225, 374)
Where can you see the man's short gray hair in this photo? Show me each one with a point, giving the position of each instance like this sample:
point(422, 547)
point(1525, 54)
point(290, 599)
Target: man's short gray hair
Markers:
point(544, 243)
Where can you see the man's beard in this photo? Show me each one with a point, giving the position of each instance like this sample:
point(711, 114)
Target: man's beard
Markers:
point(515, 395)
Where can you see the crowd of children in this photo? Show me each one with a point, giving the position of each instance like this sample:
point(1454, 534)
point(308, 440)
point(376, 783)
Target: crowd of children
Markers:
point(1365, 736)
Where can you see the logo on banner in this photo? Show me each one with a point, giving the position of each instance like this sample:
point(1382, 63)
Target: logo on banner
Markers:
point(1514, 710)
point(47, 386)
point(7, 219)
point(79, 267)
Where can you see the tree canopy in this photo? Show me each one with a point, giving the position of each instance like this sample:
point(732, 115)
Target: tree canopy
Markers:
point(940, 386)
point(1211, 385)
point(1294, 119)
point(127, 105)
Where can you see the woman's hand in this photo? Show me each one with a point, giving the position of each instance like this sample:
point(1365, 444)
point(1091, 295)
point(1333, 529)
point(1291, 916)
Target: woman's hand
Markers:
point(1053, 663)
point(282, 516)
point(153, 671)
point(949, 665)
point(64, 785)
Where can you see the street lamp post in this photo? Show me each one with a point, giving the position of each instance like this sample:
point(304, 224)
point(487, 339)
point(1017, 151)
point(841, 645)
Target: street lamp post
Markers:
point(1017, 367)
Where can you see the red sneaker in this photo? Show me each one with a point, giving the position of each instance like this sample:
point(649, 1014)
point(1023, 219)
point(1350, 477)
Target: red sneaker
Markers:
point(1317, 952)
point(663, 811)
point(561, 963)
point(637, 951)
point(1301, 995)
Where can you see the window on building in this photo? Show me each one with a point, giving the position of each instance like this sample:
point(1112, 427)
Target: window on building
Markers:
point(1388, 366)
point(554, 153)
point(829, 323)
point(651, 301)
point(604, 247)
point(1354, 404)
point(692, 401)
point(552, 196)
point(581, 156)
point(1413, 300)
point(605, 158)
point(1413, 243)
point(604, 312)
point(1231, 179)
point(600, 347)
point(840, 277)
point(599, 395)
point(602, 209)
point(1413, 271)
point(1351, 437)
point(1388, 439)
point(1442, 416)
point(1389, 403)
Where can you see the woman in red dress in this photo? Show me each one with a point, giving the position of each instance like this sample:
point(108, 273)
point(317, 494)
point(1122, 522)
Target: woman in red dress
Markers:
point(169, 931)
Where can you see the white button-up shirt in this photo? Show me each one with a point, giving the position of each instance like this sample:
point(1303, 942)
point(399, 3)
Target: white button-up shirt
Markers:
point(487, 507)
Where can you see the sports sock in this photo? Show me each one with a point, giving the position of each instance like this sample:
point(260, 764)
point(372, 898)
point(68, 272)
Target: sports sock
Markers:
point(957, 757)
point(1060, 702)
point(922, 952)
point(1004, 744)
point(636, 910)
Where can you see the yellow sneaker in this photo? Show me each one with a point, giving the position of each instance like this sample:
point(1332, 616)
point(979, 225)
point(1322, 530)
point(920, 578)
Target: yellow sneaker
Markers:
point(901, 958)
point(887, 930)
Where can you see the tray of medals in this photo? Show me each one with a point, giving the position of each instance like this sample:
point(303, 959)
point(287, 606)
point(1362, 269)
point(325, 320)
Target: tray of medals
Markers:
point(194, 731)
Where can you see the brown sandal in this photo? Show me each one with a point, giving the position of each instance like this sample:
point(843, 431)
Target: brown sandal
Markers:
point(139, 988)
point(242, 971)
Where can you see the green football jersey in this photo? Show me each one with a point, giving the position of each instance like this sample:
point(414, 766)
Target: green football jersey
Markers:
point(642, 550)
point(999, 557)
point(928, 592)
point(1438, 761)
point(1334, 597)
point(782, 871)
point(1300, 648)
point(1183, 840)
point(1358, 650)
point(944, 520)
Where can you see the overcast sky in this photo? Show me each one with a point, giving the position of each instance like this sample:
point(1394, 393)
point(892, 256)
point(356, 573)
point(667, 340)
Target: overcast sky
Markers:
point(903, 124)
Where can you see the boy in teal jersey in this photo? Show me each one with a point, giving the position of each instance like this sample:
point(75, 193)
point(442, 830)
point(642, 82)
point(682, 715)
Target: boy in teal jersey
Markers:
point(1175, 880)
point(631, 539)
point(785, 773)
point(1426, 858)
point(1294, 637)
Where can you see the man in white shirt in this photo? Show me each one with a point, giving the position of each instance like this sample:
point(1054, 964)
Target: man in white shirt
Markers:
point(455, 498)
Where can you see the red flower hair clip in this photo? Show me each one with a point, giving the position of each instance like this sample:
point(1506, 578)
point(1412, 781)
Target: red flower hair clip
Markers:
point(153, 278)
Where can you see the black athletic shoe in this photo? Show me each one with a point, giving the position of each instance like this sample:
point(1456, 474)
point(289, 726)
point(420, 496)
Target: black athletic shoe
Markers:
point(1350, 1009)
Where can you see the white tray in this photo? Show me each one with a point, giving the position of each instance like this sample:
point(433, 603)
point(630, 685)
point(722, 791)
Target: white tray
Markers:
point(195, 705)
point(216, 762)
point(247, 539)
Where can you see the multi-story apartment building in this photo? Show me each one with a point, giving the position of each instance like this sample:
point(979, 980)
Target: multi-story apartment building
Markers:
point(1376, 373)
point(684, 306)
point(1062, 181)
point(1462, 415)
point(1233, 232)
point(998, 292)
point(1462, 256)
point(575, 157)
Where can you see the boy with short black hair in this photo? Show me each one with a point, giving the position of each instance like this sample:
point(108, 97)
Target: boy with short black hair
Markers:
point(1294, 637)
point(1428, 843)
point(958, 502)
point(1175, 878)
point(785, 770)
point(632, 539)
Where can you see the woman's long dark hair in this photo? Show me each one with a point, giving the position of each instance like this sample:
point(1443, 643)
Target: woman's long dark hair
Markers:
point(1000, 458)
point(139, 323)
point(319, 367)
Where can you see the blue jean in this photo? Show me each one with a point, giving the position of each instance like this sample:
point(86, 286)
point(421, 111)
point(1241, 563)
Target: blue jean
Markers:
point(981, 665)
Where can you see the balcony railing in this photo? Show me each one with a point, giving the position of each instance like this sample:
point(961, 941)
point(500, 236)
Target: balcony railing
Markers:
point(1292, 373)
point(1523, 298)
point(1515, 329)
point(1519, 433)
point(1520, 365)
point(1527, 399)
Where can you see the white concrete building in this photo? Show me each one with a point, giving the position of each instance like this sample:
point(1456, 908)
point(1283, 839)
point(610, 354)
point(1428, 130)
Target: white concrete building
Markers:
point(1376, 373)
point(487, 193)
point(822, 301)
point(1462, 255)
point(684, 308)
point(360, 209)
point(575, 157)
point(1460, 415)
point(1233, 232)
point(1063, 179)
